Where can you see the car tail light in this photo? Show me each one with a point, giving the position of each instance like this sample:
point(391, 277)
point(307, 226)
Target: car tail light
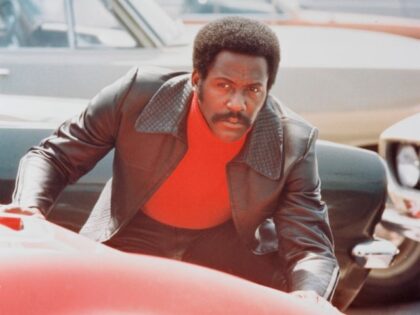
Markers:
point(14, 223)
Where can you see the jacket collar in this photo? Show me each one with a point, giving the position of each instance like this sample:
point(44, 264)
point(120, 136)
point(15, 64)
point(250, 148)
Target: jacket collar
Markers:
point(167, 110)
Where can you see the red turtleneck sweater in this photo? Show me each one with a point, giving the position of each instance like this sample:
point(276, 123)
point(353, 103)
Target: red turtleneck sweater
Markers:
point(196, 195)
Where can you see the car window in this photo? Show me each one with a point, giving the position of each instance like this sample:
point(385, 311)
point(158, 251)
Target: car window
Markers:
point(5, 22)
point(95, 25)
point(3, 32)
point(45, 23)
point(228, 7)
point(33, 23)
point(196, 8)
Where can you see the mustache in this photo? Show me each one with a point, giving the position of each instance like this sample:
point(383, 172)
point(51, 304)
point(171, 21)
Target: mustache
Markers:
point(242, 119)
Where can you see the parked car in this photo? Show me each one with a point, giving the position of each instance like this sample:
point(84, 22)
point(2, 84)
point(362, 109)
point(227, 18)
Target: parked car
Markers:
point(288, 12)
point(51, 271)
point(351, 84)
point(406, 8)
point(353, 186)
point(400, 146)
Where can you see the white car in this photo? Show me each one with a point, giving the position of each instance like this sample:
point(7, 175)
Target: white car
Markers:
point(351, 84)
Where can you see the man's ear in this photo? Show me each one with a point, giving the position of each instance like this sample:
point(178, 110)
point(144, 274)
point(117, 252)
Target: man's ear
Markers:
point(195, 77)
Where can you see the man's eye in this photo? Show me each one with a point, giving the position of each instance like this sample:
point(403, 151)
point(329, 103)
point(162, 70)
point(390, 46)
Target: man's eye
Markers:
point(254, 89)
point(224, 85)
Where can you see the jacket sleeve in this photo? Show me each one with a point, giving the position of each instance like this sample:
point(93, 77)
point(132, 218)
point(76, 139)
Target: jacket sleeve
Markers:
point(303, 227)
point(73, 149)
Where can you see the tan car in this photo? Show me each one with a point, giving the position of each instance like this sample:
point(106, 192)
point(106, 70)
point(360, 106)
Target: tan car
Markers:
point(289, 12)
point(404, 8)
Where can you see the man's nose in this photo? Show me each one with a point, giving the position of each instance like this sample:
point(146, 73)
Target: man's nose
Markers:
point(237, 103)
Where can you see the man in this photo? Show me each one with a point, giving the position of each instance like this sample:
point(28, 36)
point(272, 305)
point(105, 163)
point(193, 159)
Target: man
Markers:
point(208, 167)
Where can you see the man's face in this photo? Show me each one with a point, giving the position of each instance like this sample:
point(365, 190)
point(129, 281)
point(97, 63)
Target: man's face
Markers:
point(232, 94)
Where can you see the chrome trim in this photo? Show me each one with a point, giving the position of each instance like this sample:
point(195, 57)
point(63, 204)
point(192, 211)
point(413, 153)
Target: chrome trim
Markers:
point(140, 30)
point(377, 253)
point(4, 72)
point(396, 221)
point(70, 19)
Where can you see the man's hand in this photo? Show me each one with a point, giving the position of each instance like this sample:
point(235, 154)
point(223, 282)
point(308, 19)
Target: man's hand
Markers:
point(16, 209)
point(313, 297)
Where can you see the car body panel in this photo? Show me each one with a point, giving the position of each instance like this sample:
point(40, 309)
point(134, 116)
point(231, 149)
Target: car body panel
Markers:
point(49, 270)
point(406, 130)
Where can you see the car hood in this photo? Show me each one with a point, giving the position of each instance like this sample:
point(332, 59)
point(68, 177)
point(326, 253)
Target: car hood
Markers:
point(407, 129)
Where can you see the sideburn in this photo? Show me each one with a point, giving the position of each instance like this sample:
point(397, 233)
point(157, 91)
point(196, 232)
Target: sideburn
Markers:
point(199, 91)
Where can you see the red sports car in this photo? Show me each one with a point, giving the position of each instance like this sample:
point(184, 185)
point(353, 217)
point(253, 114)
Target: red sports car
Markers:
point(46, 269)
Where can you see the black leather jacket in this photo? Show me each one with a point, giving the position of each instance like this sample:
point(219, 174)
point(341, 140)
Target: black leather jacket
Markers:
point(274, 185)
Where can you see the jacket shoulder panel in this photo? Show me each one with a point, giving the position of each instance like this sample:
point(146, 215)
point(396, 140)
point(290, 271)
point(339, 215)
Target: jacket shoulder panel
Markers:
point(145, 84)
point(298, 135)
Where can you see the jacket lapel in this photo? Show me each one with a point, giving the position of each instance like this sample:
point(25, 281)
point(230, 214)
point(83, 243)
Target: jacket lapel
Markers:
point(167, 109)
point(263, 149)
